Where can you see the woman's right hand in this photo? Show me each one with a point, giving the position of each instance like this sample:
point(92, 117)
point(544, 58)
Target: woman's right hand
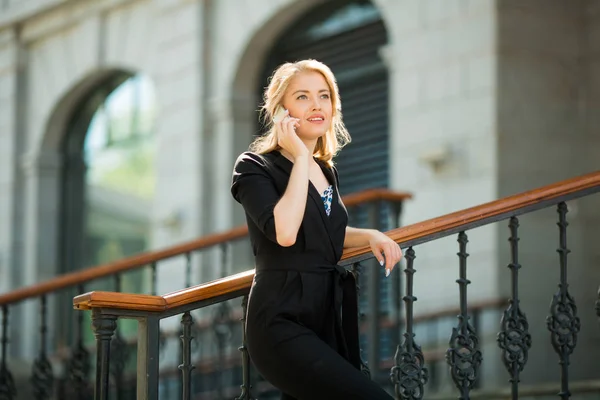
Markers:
point(287, 138)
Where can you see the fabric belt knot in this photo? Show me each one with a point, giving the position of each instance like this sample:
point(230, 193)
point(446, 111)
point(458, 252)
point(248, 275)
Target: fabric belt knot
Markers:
point(343, 272)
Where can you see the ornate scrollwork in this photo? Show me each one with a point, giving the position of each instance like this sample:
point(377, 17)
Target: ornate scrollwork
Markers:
point(8, 389)
point(409, 375)
point(514, 340)
point(79, 369)
point(42, 378)
point(464, 356)
point(563, 323)
point(7, 384)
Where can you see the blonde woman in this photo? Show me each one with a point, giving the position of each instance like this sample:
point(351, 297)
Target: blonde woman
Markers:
point(302, 312)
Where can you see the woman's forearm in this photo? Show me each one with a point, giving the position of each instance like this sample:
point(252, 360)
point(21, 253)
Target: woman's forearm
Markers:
point(289, 211)
point(357, 237)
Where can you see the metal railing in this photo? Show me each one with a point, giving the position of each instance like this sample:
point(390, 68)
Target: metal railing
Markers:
point(64, 362)
point(409, 374)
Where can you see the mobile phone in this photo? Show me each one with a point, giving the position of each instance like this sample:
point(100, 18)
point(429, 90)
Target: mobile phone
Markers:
point(279, 113)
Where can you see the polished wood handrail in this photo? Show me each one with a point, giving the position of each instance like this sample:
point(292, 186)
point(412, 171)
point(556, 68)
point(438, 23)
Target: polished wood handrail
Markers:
point(144, 259)
point(412, 232)
point(487, 211)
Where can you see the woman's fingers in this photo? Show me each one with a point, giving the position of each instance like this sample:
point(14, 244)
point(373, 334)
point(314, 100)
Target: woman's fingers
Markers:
point(378, 255)
point(390, 261)
point(393, 255)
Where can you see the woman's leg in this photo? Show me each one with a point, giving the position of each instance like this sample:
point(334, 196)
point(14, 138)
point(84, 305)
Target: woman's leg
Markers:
point(306, 368)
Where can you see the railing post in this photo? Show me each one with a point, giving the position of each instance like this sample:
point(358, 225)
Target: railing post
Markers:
point(148, 348)
point(396, 210)
point(120, 352)
point(409, 374)
point(246, 384)
point(514, 339)
point(374, 284)
point(464, 356)
point(563, 322)
point(104, 326)
point(186, 366)
point(356, 268)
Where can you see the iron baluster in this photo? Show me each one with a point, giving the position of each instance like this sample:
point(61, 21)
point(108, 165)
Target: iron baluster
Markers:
point(187, 283)
point(396, 209)
point(463, 355)
point(563, 322)
point(8, 390)
point(104, 326)
point(356, 269)
point(409, 374)
point(79, 363)
point(514, 338)
point(246, 384)
point(186, 367)
point(120, 352)
point(223, 333)
point(42, 378)
point(162, 341)
point(374, 276)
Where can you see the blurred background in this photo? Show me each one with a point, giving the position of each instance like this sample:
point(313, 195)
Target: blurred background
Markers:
point(120, 121)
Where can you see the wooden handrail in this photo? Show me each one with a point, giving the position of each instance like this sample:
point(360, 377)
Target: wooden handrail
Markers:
point(422, 230)
point(147, 258)
point(459, 220)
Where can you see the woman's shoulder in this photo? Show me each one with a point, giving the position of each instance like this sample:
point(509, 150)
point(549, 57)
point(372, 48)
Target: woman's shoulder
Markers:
point(249, 159)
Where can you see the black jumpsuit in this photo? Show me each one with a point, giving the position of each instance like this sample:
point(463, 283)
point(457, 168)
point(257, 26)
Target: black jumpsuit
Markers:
point(302, 312)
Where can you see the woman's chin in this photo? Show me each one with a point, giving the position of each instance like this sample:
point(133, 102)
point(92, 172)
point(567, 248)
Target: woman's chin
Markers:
point(312, 134)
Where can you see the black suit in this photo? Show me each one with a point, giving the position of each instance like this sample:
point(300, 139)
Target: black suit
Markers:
point(300, 296)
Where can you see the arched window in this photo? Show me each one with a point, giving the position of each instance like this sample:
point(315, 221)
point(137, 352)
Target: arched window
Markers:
point(108, 181)
point(109, 176)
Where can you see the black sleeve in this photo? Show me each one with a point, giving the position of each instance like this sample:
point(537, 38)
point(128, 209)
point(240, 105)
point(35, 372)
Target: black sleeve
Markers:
point(255, 190)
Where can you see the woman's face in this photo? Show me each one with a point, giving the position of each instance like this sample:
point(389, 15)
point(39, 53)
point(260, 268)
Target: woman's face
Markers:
point(308, 98)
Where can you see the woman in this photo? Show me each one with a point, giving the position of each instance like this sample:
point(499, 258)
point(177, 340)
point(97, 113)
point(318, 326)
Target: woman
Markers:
point(302, 312)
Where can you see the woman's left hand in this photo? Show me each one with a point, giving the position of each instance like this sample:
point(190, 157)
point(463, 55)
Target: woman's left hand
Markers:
point(381, 245)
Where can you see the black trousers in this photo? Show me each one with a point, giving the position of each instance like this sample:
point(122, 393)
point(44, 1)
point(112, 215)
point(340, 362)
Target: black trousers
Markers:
point(306, 368)
point(294, 342)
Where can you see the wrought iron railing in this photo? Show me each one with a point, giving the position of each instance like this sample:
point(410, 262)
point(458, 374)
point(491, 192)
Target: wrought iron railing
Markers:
point(409, 373)
point(72, 356)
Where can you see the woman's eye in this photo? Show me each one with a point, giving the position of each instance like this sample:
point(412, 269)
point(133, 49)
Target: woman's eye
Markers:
point(302, 97)
point(325, 96)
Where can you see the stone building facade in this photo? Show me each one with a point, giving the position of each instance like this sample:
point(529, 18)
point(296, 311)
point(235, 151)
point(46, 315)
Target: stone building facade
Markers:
point(487, 98)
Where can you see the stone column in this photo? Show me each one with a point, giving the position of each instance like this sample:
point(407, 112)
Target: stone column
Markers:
point(40, 247)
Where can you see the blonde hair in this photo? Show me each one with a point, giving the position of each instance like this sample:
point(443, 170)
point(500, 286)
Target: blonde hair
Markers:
point(336, 136)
